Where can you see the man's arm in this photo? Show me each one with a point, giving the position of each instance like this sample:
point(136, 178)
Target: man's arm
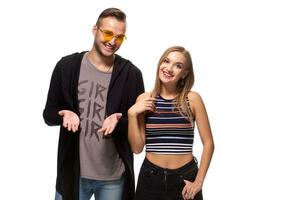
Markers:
point(120, 123)
point(54, 99)
point(139, 89)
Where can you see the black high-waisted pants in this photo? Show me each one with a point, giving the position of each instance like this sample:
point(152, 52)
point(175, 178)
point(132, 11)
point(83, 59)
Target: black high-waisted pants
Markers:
point(156, 183)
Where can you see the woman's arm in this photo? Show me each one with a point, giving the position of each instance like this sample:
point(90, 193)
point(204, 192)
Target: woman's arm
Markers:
point(136, 122)
point(201, 118)
point(206, 137)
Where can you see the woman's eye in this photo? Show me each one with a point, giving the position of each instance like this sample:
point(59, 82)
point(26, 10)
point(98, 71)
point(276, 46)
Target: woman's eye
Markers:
point(165, 61)
point(179, 66)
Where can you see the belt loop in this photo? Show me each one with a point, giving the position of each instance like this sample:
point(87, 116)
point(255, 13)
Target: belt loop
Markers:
point(195, 159)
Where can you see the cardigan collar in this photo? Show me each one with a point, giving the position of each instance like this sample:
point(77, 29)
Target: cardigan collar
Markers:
point(119, 64)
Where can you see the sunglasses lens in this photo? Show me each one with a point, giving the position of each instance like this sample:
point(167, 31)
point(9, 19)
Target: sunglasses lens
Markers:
point(120, 39)
point(108, 35)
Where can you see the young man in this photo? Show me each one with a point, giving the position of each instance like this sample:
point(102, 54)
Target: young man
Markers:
point(89, 95)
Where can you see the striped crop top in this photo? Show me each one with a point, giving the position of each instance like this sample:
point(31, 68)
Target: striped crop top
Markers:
point(167, 131)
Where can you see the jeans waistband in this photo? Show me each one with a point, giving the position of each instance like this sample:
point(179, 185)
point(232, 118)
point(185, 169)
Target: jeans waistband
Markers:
point(179, 170)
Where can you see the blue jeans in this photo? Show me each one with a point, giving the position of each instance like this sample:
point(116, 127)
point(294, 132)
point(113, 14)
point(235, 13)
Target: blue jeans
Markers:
point(102, 190)
point(58, 196)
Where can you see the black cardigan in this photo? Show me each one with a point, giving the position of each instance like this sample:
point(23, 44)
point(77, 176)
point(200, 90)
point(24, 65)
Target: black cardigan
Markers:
point(125, 85)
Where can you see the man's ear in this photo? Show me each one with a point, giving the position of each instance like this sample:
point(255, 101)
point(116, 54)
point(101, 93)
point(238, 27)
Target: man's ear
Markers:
point(94, 30)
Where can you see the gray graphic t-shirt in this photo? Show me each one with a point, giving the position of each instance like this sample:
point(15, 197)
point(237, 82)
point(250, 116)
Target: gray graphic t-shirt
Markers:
point(99, 159)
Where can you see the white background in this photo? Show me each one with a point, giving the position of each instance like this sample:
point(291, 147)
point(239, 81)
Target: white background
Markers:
point(246, 61)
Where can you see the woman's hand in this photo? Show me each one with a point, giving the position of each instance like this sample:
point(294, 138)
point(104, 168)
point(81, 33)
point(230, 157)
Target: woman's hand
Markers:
point(146, 104)
point(190, 189)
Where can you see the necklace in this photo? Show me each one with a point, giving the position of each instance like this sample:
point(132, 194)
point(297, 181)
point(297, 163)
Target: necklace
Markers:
point(110, 67)
point(104, 67)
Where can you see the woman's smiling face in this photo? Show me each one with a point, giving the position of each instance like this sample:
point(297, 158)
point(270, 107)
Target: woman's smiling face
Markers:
point(172, 68)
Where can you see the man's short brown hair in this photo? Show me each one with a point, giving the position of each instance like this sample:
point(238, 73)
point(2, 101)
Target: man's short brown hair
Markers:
point(112, 12)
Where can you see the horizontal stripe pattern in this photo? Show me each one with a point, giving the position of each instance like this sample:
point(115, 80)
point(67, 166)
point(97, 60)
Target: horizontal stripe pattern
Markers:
point(167, 131)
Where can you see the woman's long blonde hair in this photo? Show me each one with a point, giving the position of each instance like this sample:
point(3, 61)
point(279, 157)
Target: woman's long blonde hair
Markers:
point(184, 85)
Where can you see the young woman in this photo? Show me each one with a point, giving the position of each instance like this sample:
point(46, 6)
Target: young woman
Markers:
point(164, 120)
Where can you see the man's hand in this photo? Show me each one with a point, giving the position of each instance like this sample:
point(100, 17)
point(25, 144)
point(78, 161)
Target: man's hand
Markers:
point(110, 124)
point(70, 120)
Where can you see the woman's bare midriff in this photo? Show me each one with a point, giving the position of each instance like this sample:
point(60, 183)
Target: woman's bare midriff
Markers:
point(169, 161)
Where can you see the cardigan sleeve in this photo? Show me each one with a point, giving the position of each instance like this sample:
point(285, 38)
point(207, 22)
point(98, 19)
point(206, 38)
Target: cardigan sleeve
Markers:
point(140, 85)
point(54, 98)
point(138, 88)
